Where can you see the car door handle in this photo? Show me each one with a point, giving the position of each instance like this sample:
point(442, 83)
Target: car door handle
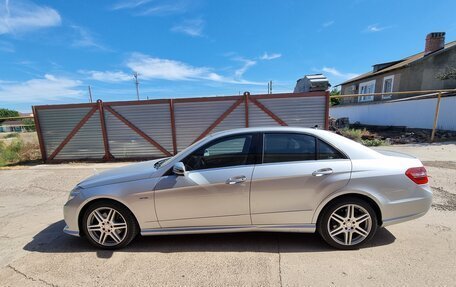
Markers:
point(236, 179)
point(323, 171)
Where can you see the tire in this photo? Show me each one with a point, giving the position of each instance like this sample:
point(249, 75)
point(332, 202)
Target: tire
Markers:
point(114, 232)
point(347, 232)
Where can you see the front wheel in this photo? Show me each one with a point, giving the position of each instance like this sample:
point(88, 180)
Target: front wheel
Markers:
point(109, 225)
point(348, 223)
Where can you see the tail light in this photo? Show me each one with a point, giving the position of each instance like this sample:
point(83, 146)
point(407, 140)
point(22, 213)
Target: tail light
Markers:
point(417, 174)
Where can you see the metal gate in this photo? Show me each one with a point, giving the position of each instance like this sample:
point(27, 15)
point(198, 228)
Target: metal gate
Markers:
point(160, 128)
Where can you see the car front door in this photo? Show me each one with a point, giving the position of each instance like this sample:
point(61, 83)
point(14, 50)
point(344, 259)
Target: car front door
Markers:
point(215, 188)
point(297, 172)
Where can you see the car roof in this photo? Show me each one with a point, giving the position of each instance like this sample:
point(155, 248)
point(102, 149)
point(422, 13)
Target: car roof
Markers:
point(265, 129)
point(351, 148)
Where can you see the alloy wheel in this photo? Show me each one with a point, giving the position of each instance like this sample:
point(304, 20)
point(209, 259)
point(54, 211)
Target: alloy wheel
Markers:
point(106, 226)
point(349, 225)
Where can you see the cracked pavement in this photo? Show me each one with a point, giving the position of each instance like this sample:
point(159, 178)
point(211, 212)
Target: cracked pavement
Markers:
point(35, 252)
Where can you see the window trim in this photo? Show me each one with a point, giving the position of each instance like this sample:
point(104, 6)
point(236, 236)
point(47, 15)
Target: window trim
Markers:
point(253, 152)
point(387, 96)
point(366, 98)
point(344, 155)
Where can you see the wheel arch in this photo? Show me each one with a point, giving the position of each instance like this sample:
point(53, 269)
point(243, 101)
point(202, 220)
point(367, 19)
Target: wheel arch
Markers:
point(88, 203)
point(374, 202)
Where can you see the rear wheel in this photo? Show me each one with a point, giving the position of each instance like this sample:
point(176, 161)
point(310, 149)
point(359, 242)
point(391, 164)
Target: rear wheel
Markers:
point(109, 225)
point(348, 223)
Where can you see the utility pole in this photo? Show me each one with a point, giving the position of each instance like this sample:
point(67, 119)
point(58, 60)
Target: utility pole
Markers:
point(270, 87)
point(90, 94)
point(135, 75)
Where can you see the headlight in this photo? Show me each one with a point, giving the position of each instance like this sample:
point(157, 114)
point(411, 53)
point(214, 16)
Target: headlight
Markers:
point(75, 192)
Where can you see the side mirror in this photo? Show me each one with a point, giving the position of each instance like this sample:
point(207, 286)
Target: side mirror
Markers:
point(179, 168)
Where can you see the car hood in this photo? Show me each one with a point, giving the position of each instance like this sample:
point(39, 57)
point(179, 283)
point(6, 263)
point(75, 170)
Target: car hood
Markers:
point(130, 172)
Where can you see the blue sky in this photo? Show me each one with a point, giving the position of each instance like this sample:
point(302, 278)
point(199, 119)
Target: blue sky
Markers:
point(50, 51)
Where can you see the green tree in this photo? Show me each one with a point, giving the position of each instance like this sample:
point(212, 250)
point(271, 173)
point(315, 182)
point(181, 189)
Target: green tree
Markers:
point(29, 125)
point(6, 113)
point(335, 101)
point(448, 74)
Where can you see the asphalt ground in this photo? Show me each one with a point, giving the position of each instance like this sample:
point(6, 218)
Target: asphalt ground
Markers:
point(35, 252)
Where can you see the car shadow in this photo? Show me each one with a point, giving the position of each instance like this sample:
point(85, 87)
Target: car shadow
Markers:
point(53, 240)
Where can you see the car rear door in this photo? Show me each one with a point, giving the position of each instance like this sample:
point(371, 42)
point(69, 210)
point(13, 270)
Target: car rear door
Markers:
point(297, 172)
point(215, 188)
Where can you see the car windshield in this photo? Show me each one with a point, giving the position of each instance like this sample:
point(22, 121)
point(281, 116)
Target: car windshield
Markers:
point(167, 160)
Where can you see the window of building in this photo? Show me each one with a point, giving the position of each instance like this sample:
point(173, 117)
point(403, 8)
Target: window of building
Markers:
point(366, 88)
point(387, 87)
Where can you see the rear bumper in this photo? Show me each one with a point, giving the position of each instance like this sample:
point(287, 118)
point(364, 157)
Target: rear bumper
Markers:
point(407, 209)
point(392, 221)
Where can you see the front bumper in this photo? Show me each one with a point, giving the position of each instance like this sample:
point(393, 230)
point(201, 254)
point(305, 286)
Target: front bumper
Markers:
point(67, 230)
point(71, 216)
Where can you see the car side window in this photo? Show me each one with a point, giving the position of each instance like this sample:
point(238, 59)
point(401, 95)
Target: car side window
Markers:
point(286, 147)
point(228, 151)
point(325, 151)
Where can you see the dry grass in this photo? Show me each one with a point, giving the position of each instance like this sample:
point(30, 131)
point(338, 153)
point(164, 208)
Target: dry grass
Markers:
point(354, 134)
point(362, 136)
point(16, 151)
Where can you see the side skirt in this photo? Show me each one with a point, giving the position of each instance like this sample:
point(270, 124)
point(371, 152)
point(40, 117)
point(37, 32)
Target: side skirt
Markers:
point(304, 228)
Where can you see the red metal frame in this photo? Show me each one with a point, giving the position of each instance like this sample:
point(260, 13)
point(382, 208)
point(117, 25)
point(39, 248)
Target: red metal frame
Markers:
point(137, 130)
point(100, 106)
point(327, 110)
point(246, 108)
point(173, 125)
point(289, 95)
point(39, 133)
point(134, 103)
point(107, 155)
point(64, 106)
point(268, 112)
point(219, 120)
point(73, 132)
point(207, 99)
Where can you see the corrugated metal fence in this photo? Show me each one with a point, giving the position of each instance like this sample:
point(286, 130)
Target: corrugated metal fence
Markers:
point(158, 128)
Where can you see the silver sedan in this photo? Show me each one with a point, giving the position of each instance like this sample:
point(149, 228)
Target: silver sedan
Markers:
point(253, 179)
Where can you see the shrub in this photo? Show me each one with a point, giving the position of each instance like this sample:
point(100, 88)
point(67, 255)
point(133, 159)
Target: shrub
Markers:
point(353, 134)
point(2, 160)
point(10, 153)
point(362, 136)
point(29, 125)
point(29, 152)
point(374, 142)
point(18, 151)
point(335, 101)
point(12, 135)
